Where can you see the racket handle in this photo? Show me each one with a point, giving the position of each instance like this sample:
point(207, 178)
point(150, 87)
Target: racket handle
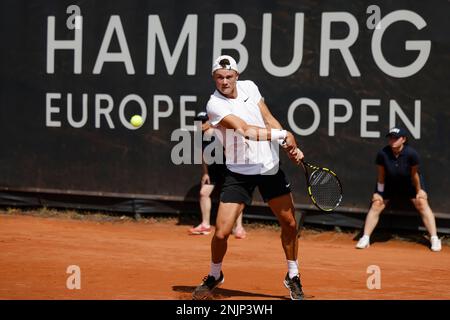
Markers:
point(302, 162)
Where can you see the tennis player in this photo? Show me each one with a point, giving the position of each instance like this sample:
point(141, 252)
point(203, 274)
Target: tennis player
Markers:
point(399, 179)
point(252, 161)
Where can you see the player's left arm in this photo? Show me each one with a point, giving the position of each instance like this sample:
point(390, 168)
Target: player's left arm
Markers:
point(272, 123)
point(268, 118)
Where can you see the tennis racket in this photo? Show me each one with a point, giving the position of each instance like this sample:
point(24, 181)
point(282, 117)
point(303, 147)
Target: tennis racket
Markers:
point(323, 186)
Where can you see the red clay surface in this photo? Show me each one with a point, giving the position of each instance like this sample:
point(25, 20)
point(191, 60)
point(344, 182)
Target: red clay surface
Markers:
point(159, 260)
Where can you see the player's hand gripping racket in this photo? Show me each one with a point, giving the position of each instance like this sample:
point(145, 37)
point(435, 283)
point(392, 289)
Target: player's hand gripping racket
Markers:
point(323, 186)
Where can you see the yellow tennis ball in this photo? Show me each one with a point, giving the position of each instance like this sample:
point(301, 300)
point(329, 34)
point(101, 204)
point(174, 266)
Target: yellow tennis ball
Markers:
point(136, 121)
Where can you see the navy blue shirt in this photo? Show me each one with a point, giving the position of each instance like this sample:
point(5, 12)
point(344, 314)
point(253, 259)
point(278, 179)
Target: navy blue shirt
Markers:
point(398, 170)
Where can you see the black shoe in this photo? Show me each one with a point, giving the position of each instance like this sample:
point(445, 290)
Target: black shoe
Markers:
point(295, 287)
point(205, 290)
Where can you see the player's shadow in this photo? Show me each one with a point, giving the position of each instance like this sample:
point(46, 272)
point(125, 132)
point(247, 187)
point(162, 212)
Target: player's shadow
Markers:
point(221, 293)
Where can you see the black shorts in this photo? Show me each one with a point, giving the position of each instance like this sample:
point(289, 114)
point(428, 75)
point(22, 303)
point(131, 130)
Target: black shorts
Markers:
point(238, 188)
point(216, 173)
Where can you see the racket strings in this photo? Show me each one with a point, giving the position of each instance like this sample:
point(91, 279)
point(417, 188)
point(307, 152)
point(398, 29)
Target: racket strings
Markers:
point(326, 189)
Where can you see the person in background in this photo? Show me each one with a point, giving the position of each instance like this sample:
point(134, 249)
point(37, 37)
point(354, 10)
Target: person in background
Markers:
point(399, 178)
point(212, 176)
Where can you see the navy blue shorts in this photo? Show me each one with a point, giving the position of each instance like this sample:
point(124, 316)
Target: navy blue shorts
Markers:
point(401, 191)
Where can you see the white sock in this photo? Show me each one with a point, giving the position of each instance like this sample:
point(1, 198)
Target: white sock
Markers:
point(292, 268)
point(434, 237)
point(215, 269)
point(365, 237)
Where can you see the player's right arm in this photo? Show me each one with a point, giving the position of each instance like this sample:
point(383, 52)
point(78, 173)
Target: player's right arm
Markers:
point(265, 134)
point(248, 131)
point(219, 112)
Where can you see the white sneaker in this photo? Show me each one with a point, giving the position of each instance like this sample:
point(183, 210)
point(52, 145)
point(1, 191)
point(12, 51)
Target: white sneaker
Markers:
point(435, 244)
point(364, 242)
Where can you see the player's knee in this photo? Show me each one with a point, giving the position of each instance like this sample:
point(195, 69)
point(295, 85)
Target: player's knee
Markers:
point(421, 204)
point(289, 228)
point(292, 225)
point(378, 204)
point(220, 235)
point(204, 193)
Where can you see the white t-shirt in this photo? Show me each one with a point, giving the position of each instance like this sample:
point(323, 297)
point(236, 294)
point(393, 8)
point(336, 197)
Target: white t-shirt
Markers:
point(242, 155)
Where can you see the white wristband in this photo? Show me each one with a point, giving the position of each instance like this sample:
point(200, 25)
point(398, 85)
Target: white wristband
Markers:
point(277, 134)
point(380, 187)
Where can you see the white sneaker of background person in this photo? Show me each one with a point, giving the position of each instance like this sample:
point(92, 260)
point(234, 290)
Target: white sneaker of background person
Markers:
point(435, 244)
point(364, 242)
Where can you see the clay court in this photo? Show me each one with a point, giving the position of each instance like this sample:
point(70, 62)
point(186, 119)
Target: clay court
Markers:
point(157, 259)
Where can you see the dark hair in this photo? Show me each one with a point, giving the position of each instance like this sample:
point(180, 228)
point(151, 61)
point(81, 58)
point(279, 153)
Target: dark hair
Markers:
point(224, 63)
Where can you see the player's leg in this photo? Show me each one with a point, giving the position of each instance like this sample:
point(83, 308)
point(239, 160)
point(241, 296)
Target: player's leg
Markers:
point(239, 231)
point(226, 217)
point(276, 191)
point(283, 208)
point(236, 192)
point(422, 205)
point(377, 206)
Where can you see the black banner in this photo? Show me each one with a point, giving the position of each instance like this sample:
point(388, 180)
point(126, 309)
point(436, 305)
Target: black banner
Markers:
point(338, 74)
